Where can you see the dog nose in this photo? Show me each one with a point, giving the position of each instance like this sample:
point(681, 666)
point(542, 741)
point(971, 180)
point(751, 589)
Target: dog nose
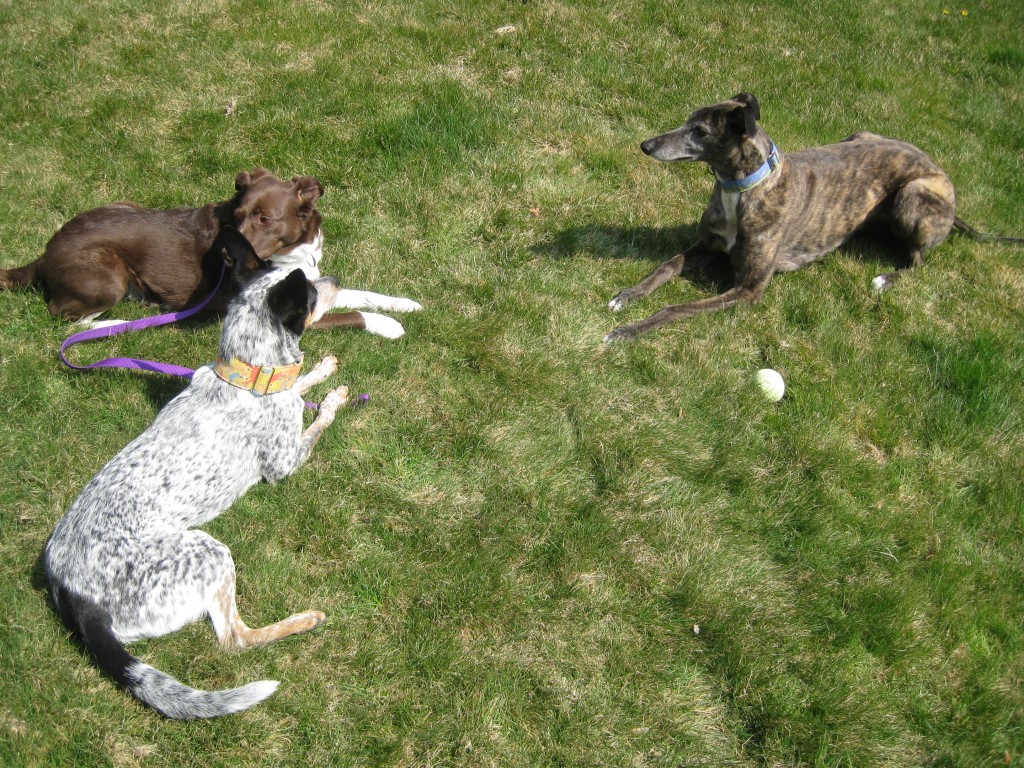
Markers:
point(649, 146)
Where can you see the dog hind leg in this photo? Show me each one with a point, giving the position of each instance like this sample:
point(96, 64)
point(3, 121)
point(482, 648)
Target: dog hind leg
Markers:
point(923, 212)
point(232, 631)
point(93, 284)
point(192, 575)
point(169, 585)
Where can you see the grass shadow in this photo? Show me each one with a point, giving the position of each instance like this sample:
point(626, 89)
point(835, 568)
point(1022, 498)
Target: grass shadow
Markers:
point(653, 244)
point(39, 581)
point(876, 242)
point(610, 242)
point(873, 243)
point(162, 389)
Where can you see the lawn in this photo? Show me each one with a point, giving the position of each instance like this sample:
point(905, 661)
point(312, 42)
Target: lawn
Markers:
point(536, 549)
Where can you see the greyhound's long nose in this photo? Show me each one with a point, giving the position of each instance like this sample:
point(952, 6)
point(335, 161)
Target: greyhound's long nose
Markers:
point(649, 146)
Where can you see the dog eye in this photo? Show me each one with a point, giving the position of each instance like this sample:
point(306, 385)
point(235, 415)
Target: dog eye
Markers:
point(263, 218)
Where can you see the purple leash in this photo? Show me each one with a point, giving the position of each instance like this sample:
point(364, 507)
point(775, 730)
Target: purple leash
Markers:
point(133, 325)
point(137, 325)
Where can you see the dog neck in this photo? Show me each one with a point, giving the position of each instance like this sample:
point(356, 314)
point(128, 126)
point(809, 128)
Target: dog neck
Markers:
point(260, 380)
point(746, 183)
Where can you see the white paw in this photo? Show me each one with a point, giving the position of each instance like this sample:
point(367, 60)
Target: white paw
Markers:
point(618, 303)
point(336, 398)
point(382, 325)
point(622, 332)
point(403, 305)
point(326, 367)
point(93, 324)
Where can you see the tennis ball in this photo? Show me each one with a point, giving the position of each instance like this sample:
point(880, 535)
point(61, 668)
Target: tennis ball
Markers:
point(771, 384)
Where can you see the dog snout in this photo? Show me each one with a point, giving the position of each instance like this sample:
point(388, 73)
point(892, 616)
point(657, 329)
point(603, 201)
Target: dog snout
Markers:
point(648, 147)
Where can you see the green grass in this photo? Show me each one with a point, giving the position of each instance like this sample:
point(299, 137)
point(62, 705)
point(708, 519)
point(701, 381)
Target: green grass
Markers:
point(519, 540)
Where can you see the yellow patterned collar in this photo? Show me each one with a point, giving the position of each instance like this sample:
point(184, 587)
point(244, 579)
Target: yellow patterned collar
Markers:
point(260, 380)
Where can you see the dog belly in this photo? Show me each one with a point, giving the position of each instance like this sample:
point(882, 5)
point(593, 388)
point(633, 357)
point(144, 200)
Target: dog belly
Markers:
point(793, 262)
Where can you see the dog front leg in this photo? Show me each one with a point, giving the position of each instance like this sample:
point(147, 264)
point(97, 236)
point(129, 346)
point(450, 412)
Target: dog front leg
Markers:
point(279, 461)
point(337, 398)
point(346, 298)
point(340, 320)
point(749, 291)
point(320, 373)
point(696, 254)
point(378, 325)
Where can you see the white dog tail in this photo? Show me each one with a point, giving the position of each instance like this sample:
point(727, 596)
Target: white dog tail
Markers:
point(148, 684)
point(173, 699)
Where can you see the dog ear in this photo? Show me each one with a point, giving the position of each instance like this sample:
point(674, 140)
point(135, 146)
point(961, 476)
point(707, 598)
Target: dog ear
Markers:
point(743, 119)
point(290, 300)
point(749, 100)
point(239, 255)
point(245, 179)
point(308, 189)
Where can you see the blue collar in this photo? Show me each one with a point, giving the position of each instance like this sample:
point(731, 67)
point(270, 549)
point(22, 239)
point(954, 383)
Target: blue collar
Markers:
point(751, 181)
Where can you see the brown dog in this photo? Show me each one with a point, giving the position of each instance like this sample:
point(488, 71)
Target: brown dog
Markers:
point(166, 256)
point(771, 212)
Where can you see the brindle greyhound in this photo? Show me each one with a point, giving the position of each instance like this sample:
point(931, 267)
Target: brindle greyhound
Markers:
point(771, 212)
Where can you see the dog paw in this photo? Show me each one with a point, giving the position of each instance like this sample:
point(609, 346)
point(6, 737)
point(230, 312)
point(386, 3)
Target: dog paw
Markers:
point(336, 398)
point(94, 324)
point(304, 622)
point(623, 332)
point(382, 325)
point(316, 618)
point(620, 301)
point(403, 305)
point(326, 367)
point(882, 283)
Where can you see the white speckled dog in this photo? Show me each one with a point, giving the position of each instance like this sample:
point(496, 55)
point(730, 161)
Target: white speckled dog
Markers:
point(126, 563)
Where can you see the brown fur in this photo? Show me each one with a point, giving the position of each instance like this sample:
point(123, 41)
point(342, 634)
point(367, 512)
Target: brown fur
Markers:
point(166, 256)
point(808, 206)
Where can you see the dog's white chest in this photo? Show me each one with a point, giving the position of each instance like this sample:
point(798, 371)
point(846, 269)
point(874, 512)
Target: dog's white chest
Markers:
point(305, 256)
point(730, 222)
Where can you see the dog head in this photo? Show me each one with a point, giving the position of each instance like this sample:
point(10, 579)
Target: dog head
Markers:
point(274, 214)
point(714, 134)
point(271, 307)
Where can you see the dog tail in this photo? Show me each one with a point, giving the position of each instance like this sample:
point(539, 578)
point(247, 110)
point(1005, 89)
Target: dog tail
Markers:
point(982, 237)
point(21, 277)
point(151, 686)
